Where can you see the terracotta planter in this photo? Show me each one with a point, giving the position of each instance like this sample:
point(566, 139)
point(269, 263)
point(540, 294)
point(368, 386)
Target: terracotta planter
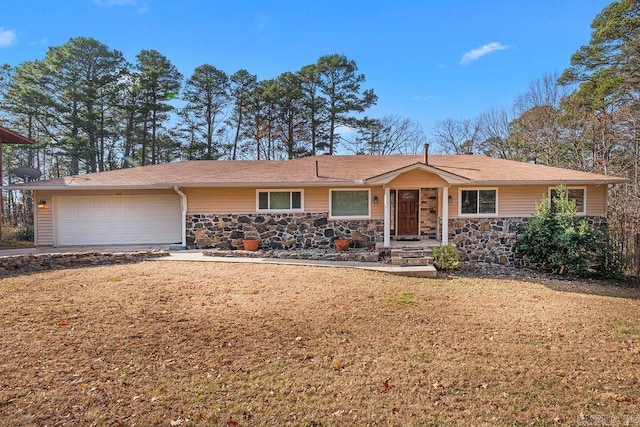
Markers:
point(251, 244)
point(342, 244)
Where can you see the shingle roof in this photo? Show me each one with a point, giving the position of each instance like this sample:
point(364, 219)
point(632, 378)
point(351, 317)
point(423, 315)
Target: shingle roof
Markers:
point(319, 170)
point(8, 136)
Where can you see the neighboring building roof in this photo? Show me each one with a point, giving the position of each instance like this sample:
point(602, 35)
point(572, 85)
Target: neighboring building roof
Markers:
point(323, 170)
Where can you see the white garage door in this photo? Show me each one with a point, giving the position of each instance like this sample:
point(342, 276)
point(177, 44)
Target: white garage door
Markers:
point(125, 219)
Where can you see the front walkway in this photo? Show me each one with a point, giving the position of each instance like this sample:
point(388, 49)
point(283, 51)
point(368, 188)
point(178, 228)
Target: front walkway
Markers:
point(198, 256)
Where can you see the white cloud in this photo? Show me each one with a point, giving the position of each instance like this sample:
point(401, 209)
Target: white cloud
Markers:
point(142, 6)
point(421, 98)
point(115, 3)
point(7, 37)
point(474, 54)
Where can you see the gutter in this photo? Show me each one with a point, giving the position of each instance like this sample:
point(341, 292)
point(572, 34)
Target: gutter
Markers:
point(555, 182)
point(22, 187)
point(183, 204)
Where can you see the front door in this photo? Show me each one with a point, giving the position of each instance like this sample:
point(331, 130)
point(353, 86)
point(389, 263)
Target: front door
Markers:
point(408, 201)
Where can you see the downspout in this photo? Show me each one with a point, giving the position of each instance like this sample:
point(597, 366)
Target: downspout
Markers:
point(183, 205)
point(35, 217)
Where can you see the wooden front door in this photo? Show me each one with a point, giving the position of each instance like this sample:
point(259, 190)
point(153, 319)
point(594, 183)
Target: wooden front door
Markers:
point(408, 202)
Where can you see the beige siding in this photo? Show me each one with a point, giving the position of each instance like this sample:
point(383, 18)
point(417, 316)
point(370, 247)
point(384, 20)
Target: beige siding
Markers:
point(597, 200)
point(43, 220)
point(234, 200)
point(416, 179)
point(316, 199)
point(220, 200)
point(521, 200)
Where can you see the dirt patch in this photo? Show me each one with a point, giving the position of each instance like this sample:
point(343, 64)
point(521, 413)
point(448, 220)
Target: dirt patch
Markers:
point(162, 343)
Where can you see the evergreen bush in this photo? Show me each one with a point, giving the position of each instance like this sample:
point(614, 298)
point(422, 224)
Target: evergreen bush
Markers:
point(558, 240)
point(446, 257)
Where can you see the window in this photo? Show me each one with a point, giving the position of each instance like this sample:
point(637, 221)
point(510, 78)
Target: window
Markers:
point(349, 203)
point(279, 200)
point(480, 201)
point(578, 195)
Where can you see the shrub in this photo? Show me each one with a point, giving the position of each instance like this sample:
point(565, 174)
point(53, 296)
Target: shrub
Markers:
point(556, 239)
point(25, 234)
point(446, 257)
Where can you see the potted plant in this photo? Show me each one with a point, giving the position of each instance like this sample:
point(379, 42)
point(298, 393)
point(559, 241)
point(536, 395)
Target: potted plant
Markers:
point(251, 243)
point(342, 244)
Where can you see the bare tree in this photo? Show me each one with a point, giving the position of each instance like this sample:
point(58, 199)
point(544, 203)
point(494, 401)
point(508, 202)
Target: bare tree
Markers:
point(389, 135)
point(459, 136)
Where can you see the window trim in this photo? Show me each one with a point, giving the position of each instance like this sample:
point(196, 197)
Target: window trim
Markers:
point(478, 214)
point(280, 190)
point(574, 187)
point(368, 216)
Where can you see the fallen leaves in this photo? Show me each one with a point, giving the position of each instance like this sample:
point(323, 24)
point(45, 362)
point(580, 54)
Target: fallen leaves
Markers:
point(298, 345)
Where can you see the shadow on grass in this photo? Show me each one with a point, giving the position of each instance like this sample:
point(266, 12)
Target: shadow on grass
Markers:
point(628, 288)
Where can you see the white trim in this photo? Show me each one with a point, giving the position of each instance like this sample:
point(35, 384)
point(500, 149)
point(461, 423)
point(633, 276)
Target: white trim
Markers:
point(477, 215)
point(387, 217)
point(584, 198)
point(280, 190)
point(54, 219)
point(368, 216)
point(183, 215)
point(444, 238)
point(387, 177)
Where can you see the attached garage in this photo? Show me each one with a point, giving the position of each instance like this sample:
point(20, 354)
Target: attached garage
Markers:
point(117, 219)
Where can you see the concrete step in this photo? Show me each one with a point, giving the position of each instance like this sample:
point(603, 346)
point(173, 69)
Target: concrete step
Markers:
point(411, 260)
point(411, 252)
point(414, 271)
point(411, 256)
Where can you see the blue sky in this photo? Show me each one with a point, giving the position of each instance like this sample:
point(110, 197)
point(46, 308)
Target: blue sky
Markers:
point(428, 60)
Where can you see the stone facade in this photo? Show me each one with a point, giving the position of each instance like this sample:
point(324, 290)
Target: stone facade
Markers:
point(483, 240)
point(279, 231)
point(493, 240)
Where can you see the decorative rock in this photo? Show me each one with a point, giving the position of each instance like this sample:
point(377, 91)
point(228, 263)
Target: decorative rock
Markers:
point(38, 262)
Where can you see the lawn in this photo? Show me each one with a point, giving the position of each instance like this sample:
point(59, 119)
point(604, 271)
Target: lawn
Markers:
point(171, 343)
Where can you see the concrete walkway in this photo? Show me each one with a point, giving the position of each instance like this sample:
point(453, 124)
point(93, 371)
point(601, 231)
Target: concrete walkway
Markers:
point(197, 256)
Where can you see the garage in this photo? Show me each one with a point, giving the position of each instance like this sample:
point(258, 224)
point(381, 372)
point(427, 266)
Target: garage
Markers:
point(117, 219)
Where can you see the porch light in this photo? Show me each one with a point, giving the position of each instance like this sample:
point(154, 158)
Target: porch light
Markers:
point(42, 204)
point(375, 200)
point(450, 199)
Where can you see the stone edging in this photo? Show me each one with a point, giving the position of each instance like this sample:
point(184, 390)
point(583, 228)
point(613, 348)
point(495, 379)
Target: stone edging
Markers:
point(50, 261)
point(314, 255)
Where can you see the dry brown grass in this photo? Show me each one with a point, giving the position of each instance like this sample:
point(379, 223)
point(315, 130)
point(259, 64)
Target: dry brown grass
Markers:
point(170, 343)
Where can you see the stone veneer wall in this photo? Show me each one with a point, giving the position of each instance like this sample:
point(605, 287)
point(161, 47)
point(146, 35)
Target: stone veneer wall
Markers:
point(279, 231)
point(493, 240)
point(50, 261)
